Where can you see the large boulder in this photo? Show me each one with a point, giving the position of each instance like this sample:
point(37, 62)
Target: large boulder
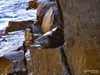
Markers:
point(43, 8)
point(82, 35)
point(45, 61)
point(18, 25)
point(49, 16)
point(47, 21)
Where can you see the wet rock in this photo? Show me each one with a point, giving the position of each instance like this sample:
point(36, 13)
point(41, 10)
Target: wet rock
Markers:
point(51, 38)
point(18, 25)
point(81, 33)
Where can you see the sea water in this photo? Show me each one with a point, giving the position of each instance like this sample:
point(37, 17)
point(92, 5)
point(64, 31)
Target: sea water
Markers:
point(14, 10)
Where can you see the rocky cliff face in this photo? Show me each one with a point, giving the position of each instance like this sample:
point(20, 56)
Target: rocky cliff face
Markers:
point(82, 35)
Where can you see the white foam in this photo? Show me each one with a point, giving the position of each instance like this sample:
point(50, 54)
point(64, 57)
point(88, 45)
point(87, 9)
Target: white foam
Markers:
point(15, 10)
point(12, 43)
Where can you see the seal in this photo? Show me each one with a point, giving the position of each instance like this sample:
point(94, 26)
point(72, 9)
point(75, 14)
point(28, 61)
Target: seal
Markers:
point(51, 39)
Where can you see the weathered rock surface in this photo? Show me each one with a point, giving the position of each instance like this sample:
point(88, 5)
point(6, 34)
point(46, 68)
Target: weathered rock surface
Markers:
point(5, 66)
point(28, 37)
point(48, 16)
point(82, 35)
point(35, 3)
point(43, 8)
point(45, 61)
point(32, 4)
point(18, 25)
point(47, 21)
point(12, 49)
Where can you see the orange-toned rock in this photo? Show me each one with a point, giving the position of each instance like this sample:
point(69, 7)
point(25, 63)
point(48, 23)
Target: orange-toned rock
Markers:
point(17, 25)
point(45, 61)
point(32, 4)
point(48, 16)
point(82, 35)
point(28, 37)
point(5, 66)
point(42, 10)
point(47, 21)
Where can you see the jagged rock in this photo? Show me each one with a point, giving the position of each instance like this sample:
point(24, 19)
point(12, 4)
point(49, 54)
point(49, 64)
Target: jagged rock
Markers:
point(47, 21)
point(82, 35)
point(18, 25)
point(48, 16)
point(42, 10)
point(32, 4)
point(12, 50)
point(28, 37)
point(35, 3)
point(51, 38)
point(65, 66)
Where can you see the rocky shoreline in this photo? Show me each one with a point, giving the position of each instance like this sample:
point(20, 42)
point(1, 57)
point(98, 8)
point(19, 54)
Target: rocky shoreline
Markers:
point(63, 40)
point(49, 26)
